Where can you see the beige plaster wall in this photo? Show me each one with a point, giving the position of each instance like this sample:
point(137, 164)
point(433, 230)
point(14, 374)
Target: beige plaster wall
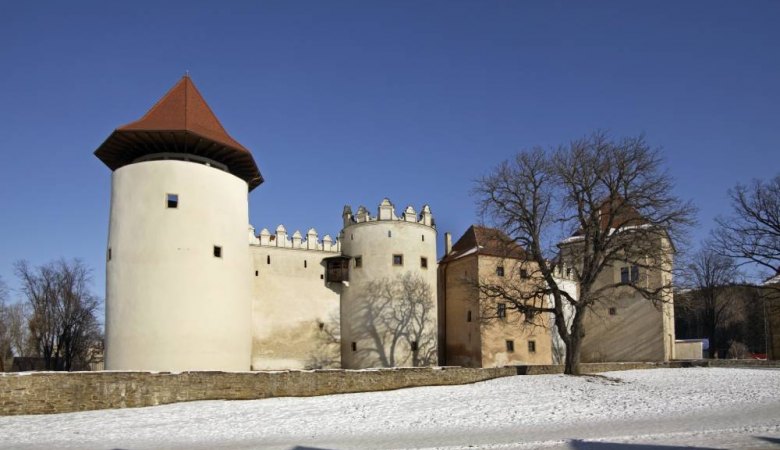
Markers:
point(495, 333)
point(294, 310)
point(171, 305)
point(463, 338)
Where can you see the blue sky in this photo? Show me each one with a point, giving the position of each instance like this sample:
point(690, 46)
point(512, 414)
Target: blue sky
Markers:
point(347, 102)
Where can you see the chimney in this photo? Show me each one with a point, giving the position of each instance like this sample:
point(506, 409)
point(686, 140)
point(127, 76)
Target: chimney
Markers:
point(447, 243)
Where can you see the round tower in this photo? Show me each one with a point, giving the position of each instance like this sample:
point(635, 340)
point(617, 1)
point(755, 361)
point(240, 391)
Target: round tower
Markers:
point(177, 274)
point(388, 306)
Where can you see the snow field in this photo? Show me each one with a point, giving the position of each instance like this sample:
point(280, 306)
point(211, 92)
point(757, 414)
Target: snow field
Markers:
point(502, 404)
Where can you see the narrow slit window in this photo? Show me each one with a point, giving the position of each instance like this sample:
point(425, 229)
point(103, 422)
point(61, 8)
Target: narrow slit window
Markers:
point(354, 346)
point(322, 276)
point(305, 264)
point(423, 238)
point(501, 310)
point(173, 200)
point(257, 272)
point(424, 262)
point(468, 316)
point(510, 346)
point(268, 259)
point(217, 251)
point(109, 253)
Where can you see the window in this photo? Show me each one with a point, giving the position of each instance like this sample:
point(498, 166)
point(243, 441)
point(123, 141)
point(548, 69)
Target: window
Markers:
point(358, 261)
point(354, 346)
point(389, 233)
point(468, 316)
point(322, 276)
point(414, 346)
point(568, 272)
point(531, 346)
point(423, 238)
point(173, 200)
point(510, 346)
point(398, 260)
point(268, 259)
point(523, 273)
point(109, 254)
point(629, 274)
point(500, 271)
point(217, 251)
point(257, 272)
point(305, 265)
point(424, 263)
point(612, 311)
point(501, 310)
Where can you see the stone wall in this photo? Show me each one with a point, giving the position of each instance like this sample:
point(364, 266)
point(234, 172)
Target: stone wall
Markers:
point(59, 392)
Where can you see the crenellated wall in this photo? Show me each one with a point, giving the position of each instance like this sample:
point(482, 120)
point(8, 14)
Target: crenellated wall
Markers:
point(294, 308)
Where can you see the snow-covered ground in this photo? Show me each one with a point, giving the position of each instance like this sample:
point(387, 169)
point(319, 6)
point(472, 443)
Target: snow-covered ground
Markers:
point(703, 407)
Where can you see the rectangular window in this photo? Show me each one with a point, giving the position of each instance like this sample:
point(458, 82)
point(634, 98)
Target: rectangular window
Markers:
point(629, 274)
point(398, 260)
point(501, 310)
point(414, 346)
point(173, 200)
point(500, 271)
point(424, 263)
point(305, 264)
point(531, 346)
point(423, 238)
point(468, 316)
point(109, 253)
point(354, 346)
point(268, 259)
point(523, 273)
point(612, 311)
point(217, 251)
point(389, 233)
point(624, 275)
point(358, 262)
point(634, 274)
point(510, 346)
point(257, 272)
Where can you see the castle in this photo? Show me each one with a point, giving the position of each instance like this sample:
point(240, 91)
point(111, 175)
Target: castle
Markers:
point(190, 287)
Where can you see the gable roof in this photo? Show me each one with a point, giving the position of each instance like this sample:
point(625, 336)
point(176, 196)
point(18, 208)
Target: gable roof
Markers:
point(180, 122)
point(485, 241)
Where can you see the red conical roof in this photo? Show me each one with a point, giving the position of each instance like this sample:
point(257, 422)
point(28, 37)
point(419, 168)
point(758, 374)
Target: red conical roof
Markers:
point(180, 122)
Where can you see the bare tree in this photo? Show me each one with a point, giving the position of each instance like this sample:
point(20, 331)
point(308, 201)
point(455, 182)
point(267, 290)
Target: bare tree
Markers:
point(6, 352)
point(612, 199)
point(710, 278)
point(62, 323)
point(752, 233)
point(398, 320)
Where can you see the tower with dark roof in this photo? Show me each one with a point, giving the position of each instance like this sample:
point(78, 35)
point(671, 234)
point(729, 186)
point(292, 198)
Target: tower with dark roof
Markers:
point(177, 275)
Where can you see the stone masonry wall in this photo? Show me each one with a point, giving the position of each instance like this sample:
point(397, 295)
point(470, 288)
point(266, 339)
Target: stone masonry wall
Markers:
point(59, 392)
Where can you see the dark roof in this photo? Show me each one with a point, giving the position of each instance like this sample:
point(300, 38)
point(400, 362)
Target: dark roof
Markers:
point(180, 122)
point(485, 241)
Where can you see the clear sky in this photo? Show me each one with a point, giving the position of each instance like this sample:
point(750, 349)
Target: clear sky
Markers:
point(347, 102)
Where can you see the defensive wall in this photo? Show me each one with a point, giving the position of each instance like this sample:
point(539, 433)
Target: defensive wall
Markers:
point(60, 392)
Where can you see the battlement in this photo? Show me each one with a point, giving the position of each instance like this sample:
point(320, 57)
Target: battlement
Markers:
point(296, 241)
point(386, 211)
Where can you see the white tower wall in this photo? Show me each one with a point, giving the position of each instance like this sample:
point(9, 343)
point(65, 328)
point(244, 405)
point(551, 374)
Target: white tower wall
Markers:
point(171, 304)
point(375, 334)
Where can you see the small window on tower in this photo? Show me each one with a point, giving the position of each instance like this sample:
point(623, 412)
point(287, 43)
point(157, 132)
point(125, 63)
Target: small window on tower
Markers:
point(257, 272)
point(612, 311)
point(523, 273)
point(414, 346)
point(531, 346)
point(500, 271)
point(423, 238)
point(173, 200)
point(305, 264)
point(398, 260)
point(501, 310)
point(389, 233)
point(217, 251)
point(268, 259)
point(109, 253)
point(510, 346)
point(424, 262)
point(354, 346)
point(468, 316)
point(358, 262)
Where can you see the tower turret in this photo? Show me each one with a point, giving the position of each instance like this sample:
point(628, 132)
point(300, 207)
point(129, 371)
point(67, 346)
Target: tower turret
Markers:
point(177, 275)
